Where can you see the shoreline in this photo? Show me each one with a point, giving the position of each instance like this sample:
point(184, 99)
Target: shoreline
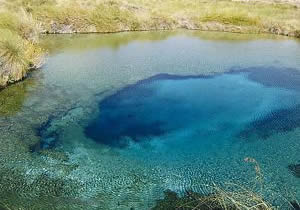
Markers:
point(23, 23)
point(129, 31)
point(172, 29)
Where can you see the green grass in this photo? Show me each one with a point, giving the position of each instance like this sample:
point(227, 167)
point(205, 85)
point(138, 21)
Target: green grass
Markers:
point(19, 46)
point(117, 15)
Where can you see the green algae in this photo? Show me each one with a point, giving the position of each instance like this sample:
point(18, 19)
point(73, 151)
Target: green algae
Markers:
point(13, 98)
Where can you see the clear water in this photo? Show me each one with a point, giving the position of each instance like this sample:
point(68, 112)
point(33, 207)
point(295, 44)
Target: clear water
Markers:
point(191, 114)
point(120, 118)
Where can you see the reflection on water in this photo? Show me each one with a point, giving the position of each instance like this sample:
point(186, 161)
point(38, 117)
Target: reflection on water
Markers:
point(84, 42)
point(43, 120)
point(13, 97)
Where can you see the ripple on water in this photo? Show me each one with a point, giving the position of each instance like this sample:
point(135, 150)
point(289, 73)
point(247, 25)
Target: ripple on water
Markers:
point(171, 132)
point(179, 132)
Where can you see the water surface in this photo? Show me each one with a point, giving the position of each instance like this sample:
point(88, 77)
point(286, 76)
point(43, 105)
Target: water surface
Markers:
point(111, 121)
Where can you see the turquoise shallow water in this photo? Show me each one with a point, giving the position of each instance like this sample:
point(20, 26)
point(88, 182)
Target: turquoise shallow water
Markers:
point(194, 124)
point(117, 119)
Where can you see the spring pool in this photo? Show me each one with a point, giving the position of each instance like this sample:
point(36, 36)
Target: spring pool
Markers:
point(112, 121)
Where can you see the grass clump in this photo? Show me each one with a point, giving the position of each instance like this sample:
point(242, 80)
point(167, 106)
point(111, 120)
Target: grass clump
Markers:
point(112, 17)
point(240, 199)
point(12, 55)
point(19, 48)
point(17, 56)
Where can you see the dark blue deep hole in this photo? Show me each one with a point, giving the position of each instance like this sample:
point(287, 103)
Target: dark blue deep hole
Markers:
point(243, 102)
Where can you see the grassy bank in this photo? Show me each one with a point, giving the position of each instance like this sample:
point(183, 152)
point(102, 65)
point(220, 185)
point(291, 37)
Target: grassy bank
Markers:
point(19, 46)
point(21, 22)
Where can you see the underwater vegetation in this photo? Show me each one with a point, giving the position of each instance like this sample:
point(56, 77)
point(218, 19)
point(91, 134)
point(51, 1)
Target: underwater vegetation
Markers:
point(287, 78)
point(282, 120)
point(48, 139)
point(190, 200)
point(12, 99)
point(50, 130)
point(219, 200)
point(295, 205)
point(295, 169)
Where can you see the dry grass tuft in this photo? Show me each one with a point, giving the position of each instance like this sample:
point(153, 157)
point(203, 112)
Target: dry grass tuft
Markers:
point(229, 197)
point(12, 53)
point(238, 199)
point(19, 46)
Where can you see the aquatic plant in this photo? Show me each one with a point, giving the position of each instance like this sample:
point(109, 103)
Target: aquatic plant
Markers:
point(282, 120)
point(295, 169)
point(295, 205)
point(239, 199)
point(12, 99)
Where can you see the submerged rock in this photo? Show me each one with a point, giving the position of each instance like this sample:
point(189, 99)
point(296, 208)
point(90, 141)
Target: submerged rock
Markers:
point(295, 169)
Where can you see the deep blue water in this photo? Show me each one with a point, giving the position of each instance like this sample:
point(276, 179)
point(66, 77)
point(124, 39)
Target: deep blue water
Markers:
point(199, 110)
